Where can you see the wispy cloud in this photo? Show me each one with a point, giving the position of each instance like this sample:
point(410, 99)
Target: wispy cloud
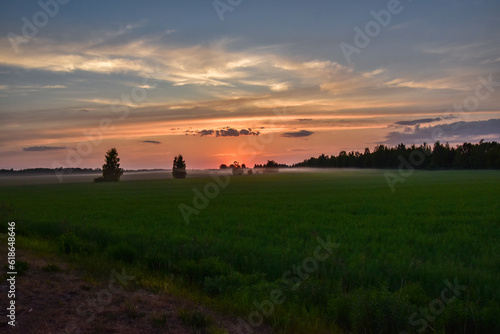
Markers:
point(473, 50)
point(418, 121)
point(151, 142)
point(29, 88)
point(227, 132)
point(212, 65)
point(42, 148)
point(298, 149)
point(298, 134)
point(433, 84)
point(457, 131)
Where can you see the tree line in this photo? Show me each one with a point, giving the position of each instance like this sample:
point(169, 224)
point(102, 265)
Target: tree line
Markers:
point(483, 155)
point(270, 164)
point(48, 171)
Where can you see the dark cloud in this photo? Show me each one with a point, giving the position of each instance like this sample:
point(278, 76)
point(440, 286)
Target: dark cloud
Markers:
point(304, 119)
point(298, 134)
point(206, 132)
point(228, 132)
point(418, 121)
point(43, 148)
point(453, 132)
point(151, 142)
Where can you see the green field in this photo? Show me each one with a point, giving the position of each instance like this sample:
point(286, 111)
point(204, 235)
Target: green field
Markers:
point(395, 253)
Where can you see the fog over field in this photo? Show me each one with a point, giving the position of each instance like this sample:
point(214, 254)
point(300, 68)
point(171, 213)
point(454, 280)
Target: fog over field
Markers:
point(53, 178)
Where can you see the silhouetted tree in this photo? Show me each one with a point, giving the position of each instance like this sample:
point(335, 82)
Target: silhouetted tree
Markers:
point(271, 163)
point(237, 168)
point(270, 167)
point(179, 162)
point(179, 167)
point(111, 170)
point(235, 164)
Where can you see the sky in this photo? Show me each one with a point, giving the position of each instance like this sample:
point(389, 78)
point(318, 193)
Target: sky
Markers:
point(245, 80)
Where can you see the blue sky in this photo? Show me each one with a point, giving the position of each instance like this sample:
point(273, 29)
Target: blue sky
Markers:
point(153, 78)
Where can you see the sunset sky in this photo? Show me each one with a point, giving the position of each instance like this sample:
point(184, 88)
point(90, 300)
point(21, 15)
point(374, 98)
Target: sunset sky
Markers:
point(250, 80)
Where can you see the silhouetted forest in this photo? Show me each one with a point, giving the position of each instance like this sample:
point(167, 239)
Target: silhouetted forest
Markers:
point(484, 155)
point(270, 164)
point(49, 171)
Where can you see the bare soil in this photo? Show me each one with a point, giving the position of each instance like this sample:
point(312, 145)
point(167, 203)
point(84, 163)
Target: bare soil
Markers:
point(67, 301)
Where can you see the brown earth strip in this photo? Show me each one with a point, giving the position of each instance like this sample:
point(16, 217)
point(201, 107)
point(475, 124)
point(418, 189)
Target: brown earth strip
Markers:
point(53, 297)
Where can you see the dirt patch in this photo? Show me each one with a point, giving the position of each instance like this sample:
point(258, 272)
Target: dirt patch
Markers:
point(52, 297)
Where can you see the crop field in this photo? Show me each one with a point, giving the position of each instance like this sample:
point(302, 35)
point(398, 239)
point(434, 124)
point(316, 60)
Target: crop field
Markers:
point(315, 252)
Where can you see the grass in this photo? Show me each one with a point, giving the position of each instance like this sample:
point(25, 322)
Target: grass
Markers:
point(396, 249)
